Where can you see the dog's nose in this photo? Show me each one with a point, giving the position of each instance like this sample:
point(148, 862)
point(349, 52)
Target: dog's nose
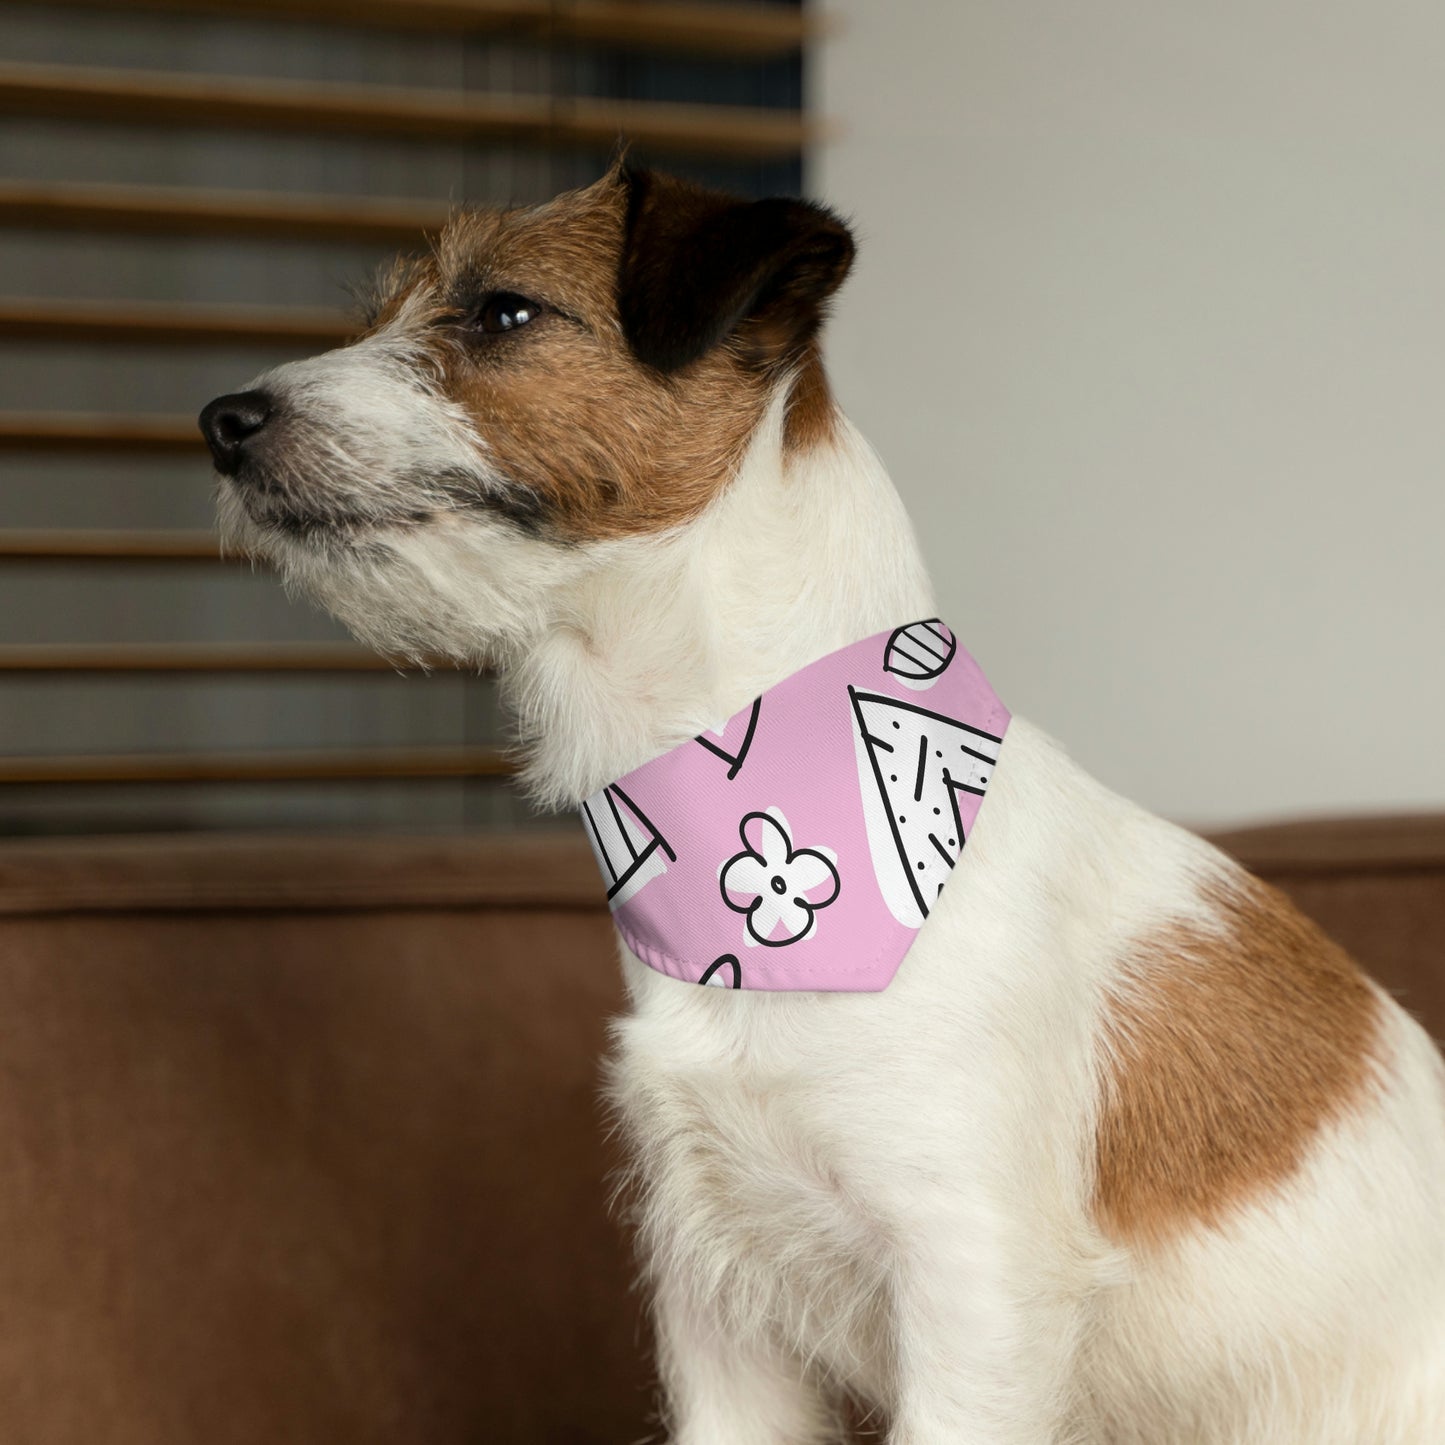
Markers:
point(229, 422)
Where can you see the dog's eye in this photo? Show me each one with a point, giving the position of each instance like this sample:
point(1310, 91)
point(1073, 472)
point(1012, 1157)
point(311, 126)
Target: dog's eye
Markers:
point(505, 311)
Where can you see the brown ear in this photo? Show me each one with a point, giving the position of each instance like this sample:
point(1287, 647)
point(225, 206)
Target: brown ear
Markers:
point(699, 266)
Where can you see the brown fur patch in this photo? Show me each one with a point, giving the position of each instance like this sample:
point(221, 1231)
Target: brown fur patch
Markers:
point(1228, 1051)
point(594, 442)
point(812, 413)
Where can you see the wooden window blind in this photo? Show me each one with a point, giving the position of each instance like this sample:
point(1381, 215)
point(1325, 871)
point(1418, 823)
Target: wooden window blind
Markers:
point(187, 190)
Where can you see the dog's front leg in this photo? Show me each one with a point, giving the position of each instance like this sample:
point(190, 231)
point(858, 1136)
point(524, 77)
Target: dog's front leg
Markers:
point(724, 1387)
point(985, 1346)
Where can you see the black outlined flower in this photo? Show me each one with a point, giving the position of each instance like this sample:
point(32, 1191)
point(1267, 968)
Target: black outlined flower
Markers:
point(780, 888)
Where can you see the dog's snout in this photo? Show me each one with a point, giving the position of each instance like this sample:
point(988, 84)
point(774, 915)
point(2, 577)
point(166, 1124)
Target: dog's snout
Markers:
point(229, 422)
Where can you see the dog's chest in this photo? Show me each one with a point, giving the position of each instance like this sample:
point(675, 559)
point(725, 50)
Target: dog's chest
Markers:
point(748, 1184)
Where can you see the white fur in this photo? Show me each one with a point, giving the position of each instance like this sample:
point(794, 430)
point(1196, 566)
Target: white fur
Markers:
point(889, 1194)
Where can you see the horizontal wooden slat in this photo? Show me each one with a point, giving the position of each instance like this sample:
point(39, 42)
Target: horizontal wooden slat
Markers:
point(107, 546)
point(216, 101)
point(316, 871)
point(170, 210)
point(178, 657)
point(265, 767)
point(171, 324)
point(704, 29)
point(1360, 844)
point(94, 431)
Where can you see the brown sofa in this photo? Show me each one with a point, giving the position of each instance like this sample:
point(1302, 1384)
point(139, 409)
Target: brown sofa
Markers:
point(299, 1141)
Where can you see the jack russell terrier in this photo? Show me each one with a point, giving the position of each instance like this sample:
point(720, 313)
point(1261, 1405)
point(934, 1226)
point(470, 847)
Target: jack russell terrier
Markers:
point(1090, 1139)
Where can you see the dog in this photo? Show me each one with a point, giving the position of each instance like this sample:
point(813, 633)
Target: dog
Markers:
point(1127, 1152)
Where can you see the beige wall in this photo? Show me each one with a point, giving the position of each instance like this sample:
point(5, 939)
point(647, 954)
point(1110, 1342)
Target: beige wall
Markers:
point(1149, 324)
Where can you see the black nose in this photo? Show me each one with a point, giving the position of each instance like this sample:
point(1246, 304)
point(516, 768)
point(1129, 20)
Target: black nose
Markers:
point(229, 422)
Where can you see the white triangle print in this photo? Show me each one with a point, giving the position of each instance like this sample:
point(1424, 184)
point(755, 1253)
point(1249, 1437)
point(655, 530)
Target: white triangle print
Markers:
point(630, 851)
point(912, 765)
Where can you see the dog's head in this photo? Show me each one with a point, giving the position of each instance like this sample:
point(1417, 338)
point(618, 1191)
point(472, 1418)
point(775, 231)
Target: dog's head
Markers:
point(546, 383)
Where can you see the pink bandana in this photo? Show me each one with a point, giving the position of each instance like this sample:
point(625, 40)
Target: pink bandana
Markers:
point(801, 845)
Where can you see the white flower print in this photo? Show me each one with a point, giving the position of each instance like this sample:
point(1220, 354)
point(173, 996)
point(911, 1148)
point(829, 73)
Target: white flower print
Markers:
point(780, 888)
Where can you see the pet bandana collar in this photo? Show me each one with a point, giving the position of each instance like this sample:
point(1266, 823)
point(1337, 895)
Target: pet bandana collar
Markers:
point(801, 845)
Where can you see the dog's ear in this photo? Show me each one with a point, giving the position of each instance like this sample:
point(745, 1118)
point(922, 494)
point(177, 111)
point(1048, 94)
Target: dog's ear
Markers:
point(699, 267)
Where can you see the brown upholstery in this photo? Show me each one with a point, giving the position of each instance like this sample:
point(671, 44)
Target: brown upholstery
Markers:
point(299, 1141)
point(331, 1171)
